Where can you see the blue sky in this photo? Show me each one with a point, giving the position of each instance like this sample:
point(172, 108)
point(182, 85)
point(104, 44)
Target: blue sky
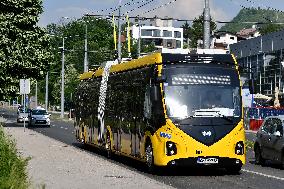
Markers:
point(222, 10)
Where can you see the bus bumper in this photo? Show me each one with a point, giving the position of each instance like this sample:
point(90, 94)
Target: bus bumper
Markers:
point(197, 162)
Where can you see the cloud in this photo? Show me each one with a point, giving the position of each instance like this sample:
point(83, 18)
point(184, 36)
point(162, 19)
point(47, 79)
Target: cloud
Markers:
point(188, 9)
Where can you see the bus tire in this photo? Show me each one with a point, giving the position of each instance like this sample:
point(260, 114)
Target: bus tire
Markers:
point(258, 157)
point(149, 158)
point(234, 170)
point(108, 146)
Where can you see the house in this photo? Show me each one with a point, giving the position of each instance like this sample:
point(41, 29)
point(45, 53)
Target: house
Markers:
point(161, 33)
point(248, 33)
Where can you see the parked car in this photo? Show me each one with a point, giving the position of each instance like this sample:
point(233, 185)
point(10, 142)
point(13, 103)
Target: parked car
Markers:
point(39, 116)
point(269, 144)
point(22, 115)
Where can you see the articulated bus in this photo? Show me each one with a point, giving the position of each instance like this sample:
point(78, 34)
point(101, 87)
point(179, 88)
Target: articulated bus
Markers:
point(165, 110)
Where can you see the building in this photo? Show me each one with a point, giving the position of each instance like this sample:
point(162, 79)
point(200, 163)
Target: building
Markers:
point(248, 33)
point(222, 40)
point(262, 60)
point(161, 33)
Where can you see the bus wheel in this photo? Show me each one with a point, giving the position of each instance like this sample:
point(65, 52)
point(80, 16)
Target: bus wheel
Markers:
point(108, 145)
point(234, 170)
point(258, 158)
point(149, 158)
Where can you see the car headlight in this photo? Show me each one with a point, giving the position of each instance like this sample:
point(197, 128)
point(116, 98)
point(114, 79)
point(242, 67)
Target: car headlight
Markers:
point(171, 148)
point(240, 148)
point(33, 118)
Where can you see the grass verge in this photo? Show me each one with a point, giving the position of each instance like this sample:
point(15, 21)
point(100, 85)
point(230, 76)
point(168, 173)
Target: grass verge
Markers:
point(249, 144)
point(13, 172)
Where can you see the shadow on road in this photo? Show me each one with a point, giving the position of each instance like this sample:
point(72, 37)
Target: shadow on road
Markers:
point(270, 164)
point(136, 165)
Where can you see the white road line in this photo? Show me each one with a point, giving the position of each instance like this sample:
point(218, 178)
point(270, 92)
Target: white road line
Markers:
point(61, 127)
point(262, 174)
point(66, 128)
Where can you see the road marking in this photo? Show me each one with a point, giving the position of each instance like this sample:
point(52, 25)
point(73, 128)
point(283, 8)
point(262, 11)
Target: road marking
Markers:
point(61, 127)
point(66, 128)
point(262, 174)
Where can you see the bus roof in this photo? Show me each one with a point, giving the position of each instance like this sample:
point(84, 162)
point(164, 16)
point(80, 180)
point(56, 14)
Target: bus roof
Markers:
point(158, 58)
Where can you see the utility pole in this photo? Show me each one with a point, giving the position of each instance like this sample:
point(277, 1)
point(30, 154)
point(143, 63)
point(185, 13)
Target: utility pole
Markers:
point(86, 66)
point(36, 96)
point(46, 91)
point(206, 34)
point(119, 33)
point(62, 81)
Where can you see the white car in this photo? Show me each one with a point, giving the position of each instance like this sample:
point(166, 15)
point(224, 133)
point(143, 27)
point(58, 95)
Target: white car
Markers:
point(22, 115)
point(39, 117)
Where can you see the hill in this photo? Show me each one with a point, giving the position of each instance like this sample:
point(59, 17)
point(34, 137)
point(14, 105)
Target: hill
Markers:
point(254, 15)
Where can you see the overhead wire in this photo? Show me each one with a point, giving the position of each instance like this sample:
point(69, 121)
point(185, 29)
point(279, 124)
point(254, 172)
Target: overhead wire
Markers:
point(146, 2)
point(163, 5)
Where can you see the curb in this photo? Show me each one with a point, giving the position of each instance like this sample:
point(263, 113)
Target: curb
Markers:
point(250, 131)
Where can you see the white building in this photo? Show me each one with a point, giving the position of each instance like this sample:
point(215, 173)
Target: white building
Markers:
point(161, 33)
point(222, 40)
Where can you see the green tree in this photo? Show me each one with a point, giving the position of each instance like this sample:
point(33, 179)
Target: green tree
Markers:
point(186, 33)
point(24, 47)
point(197, 30)
point(269, 28)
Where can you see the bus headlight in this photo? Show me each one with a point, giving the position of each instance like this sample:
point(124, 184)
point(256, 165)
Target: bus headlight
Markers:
point(239, 148)
point(171, 148)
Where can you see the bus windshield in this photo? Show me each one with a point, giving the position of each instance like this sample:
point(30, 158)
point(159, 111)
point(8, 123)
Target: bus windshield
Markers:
point(202, 92)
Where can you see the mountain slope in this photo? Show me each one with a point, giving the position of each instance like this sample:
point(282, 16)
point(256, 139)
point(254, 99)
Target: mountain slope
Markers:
point(253, 15)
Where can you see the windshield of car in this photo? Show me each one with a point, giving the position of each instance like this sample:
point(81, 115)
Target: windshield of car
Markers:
point(202, 92)
point(22, 110)
point(39, 112)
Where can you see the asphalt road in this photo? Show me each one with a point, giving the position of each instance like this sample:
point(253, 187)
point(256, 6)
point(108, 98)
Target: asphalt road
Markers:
point(251, 176)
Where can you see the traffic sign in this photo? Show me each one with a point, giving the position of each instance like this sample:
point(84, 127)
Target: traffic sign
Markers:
point(24, 86)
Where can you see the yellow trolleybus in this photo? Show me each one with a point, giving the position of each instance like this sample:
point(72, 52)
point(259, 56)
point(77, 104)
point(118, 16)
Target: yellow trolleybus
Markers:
point(165, 110)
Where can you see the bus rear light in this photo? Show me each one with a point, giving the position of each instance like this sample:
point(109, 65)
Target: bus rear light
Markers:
point(171, 148)
point(239, 149)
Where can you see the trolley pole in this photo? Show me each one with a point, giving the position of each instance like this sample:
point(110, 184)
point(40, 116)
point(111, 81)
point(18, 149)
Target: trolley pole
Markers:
point(86, 66)
point(119, 33)
point(139, 38)
point(206, 25)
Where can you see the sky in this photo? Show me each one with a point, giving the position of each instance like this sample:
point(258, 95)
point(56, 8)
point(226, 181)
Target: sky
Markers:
point(221, 10)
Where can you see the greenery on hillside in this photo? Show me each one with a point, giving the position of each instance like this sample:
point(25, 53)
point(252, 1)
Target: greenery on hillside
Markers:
point(256, 15)
point(12, 167)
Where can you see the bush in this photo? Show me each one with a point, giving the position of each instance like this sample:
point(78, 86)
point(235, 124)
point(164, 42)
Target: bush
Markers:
point(12, 167)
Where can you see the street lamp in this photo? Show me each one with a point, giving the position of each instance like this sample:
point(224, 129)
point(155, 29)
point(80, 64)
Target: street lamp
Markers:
point(62, 75)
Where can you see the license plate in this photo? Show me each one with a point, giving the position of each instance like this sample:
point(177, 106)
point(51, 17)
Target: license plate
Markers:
point(207, 160)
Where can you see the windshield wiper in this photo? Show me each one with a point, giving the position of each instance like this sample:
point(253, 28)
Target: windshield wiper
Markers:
point(215, 111)
point(225, 117)
point(183, 119)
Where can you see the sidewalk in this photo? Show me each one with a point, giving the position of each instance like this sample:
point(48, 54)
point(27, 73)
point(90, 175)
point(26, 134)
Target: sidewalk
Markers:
point(55, 165)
